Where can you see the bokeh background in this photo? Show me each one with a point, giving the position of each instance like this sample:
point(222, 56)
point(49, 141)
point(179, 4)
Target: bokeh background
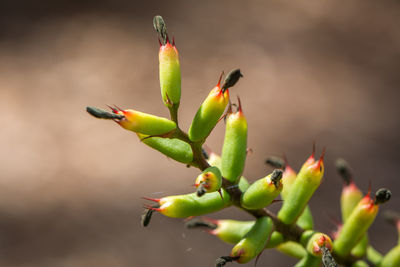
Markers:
point(71, 185)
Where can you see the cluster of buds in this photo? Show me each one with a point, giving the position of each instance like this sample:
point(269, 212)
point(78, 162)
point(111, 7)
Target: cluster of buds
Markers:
point(220, 183)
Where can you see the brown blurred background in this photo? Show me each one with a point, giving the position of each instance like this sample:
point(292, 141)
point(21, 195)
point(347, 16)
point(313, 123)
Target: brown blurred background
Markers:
point(71, 185)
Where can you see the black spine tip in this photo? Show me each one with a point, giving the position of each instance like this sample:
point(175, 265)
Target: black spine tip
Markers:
point(103, 114)
point(199, 223)
point(275, 162)
point(382, 195)
point(161, 28)
point(276, 176)
point(231, 79)
point(344, 170)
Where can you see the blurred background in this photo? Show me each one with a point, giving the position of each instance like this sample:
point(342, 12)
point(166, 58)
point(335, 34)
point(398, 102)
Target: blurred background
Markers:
point(71, 185)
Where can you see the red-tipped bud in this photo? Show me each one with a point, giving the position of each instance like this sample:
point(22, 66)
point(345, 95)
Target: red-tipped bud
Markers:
point(317, 242)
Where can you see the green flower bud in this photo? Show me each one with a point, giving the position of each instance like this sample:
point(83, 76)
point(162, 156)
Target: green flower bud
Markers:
point(210, 180)
point(182, 206)
point(392, 258)
point(304, 186)
point(316, 242)
point(173, 148)
point(263, 191)
point(234, 149)
point(208, 114)
point(358, 223)
point(305, 220)
point(232, 231)
point(373, 255)
point(144, 123)
point(292, 249)
point(254, 241)
point(170, 72)
point(215, 160)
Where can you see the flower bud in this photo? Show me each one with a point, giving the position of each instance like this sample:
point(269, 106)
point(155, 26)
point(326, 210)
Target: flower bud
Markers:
point(254, 241)
point(170, 72)
point(292, 249)
point(359, 221)
point(173, 148)
point(234, 149)
point(208, 114)
point(232, 231)
point(392, 258)
point(263, 191)
point(144, 123)
point(182, 206)
point(316, 242)
point(304, 186)
point(210, 180)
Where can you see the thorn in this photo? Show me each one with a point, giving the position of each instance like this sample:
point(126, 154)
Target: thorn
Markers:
point(220, 78)
point(240, 104)
point(149, 207)
point(169, 102)
point(159, 41)
point(220, 193)
point(119, 109)
point(113, 109)
point(151, 199)
point(322, 154)
point(173, 40)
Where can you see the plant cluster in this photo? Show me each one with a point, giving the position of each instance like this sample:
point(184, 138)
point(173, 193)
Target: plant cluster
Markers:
point(220, 183)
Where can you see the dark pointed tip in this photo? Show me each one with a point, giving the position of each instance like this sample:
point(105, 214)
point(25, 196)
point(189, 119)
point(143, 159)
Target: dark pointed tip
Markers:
point(200, 223)
point(276, 176)
point(146, 217)
point(221, 261)
point(382, 195)
point(231, 79)
point(276, 162)
point(161, 28)
point(103, 114)
point(344, 170)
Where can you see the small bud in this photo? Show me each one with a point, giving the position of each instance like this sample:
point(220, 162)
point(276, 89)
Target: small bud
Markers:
point(144, 123)
point(263, 191)
point(208, 115)
point(234, 149)
point(171, 147)
point(182, 206)
point(307, 181)
point(254, 241)
point(210, 180)
point(169, 67)
point(317, 242)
